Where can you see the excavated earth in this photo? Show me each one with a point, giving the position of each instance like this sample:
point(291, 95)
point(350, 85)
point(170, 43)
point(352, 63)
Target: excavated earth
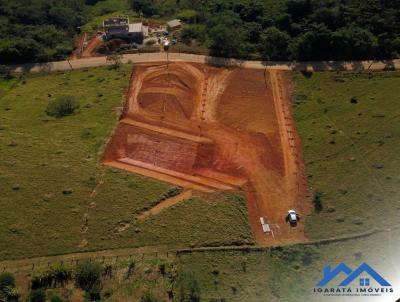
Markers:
point(207, 128)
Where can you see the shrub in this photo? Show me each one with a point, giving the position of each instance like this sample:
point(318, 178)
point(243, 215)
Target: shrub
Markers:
point(11, 294)
point(150, 42)
point(6, 280)
point(317, 201)
point(37, 295)
point(131, 268)
point(307, 258)
point(193, 32)
point(148, 296)
point(189, 289)
point(55, 276)
point(62, 106)
point(87, 276)
point(115, 59)
point(56, 298)
point(188, 15)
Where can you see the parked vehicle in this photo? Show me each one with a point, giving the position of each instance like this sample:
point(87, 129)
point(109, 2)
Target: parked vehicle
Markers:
point(292, 217)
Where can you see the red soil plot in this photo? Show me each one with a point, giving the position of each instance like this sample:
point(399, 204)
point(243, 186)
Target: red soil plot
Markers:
point(208, 129)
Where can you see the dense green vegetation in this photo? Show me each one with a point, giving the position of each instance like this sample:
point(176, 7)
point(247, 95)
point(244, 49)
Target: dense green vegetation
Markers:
point(51, 177)
point(38, 30)
point(45, 30)
point(41, 30)
point(288, 30)
point(349, 124)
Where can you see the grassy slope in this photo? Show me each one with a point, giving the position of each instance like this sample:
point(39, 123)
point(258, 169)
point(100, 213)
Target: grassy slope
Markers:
point(42, 156)
point(358, 173)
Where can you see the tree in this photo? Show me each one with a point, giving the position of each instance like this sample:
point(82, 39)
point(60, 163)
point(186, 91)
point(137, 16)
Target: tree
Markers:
point(62, 106)
point(87, 276)
point(353, 43)
point(37, 295)
point(317, 201)
point(192, 32)
point(6, 280)
point(146, 7)
point(274, 44)
point(315, 43)
point(115, 59)
point(225, 42)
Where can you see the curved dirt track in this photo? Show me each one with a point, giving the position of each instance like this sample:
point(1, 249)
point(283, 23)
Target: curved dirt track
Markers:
point(208, 128)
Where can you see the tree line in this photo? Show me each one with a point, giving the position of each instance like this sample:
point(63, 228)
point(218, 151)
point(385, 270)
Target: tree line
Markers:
point(39, 30)
point(288, 30)
point(44, 30)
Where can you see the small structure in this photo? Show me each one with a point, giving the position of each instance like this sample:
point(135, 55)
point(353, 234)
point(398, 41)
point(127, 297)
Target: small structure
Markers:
point(265, 226)
point(174, 24)
point(120, 28)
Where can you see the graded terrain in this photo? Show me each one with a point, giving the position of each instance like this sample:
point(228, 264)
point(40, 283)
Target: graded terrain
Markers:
point(211, 129)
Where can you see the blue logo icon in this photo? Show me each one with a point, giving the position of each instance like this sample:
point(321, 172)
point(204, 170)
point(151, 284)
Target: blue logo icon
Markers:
point(363, 269)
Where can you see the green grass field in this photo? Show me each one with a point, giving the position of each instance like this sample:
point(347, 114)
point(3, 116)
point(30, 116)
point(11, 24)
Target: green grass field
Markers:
point(285, 274)
point(49, 168)
point(349, 125)
point(351, 149)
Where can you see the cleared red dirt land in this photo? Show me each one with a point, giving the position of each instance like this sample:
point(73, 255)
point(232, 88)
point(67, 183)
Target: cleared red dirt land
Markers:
point(208, 128)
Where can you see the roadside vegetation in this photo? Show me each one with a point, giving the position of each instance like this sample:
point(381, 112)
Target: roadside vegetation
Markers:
point(286, 30)
point(349, 126)
point(42, 30)
point(52, 179)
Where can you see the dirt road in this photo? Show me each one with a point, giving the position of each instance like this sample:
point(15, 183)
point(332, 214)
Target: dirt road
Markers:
point(181, 57)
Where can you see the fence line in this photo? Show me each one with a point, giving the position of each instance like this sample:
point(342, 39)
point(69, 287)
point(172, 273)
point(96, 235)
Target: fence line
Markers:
point(29, 265)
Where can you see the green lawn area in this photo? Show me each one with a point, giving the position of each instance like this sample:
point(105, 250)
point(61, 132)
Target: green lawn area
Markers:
point(351, 149)
point(49, 168)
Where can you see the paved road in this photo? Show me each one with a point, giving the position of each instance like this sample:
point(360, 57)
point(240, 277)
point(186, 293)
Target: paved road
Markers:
point(176, 57)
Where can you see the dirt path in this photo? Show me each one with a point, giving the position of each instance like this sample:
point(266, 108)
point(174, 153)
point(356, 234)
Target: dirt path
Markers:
point(91, 46)
point(166, 204)
point(182, 57)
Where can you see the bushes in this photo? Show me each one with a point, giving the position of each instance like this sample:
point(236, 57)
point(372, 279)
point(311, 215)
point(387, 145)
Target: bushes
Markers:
point(62, 106)
point(8, 292)
point(317, 201)
point(37, 295)
point(148, 296)
point(58, 275)
point(193, 32)
point(40, 30)
point(88, 278)
point(189, 288)
point(6, 280)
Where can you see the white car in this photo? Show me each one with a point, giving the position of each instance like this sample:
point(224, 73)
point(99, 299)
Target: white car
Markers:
point(292, 217)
